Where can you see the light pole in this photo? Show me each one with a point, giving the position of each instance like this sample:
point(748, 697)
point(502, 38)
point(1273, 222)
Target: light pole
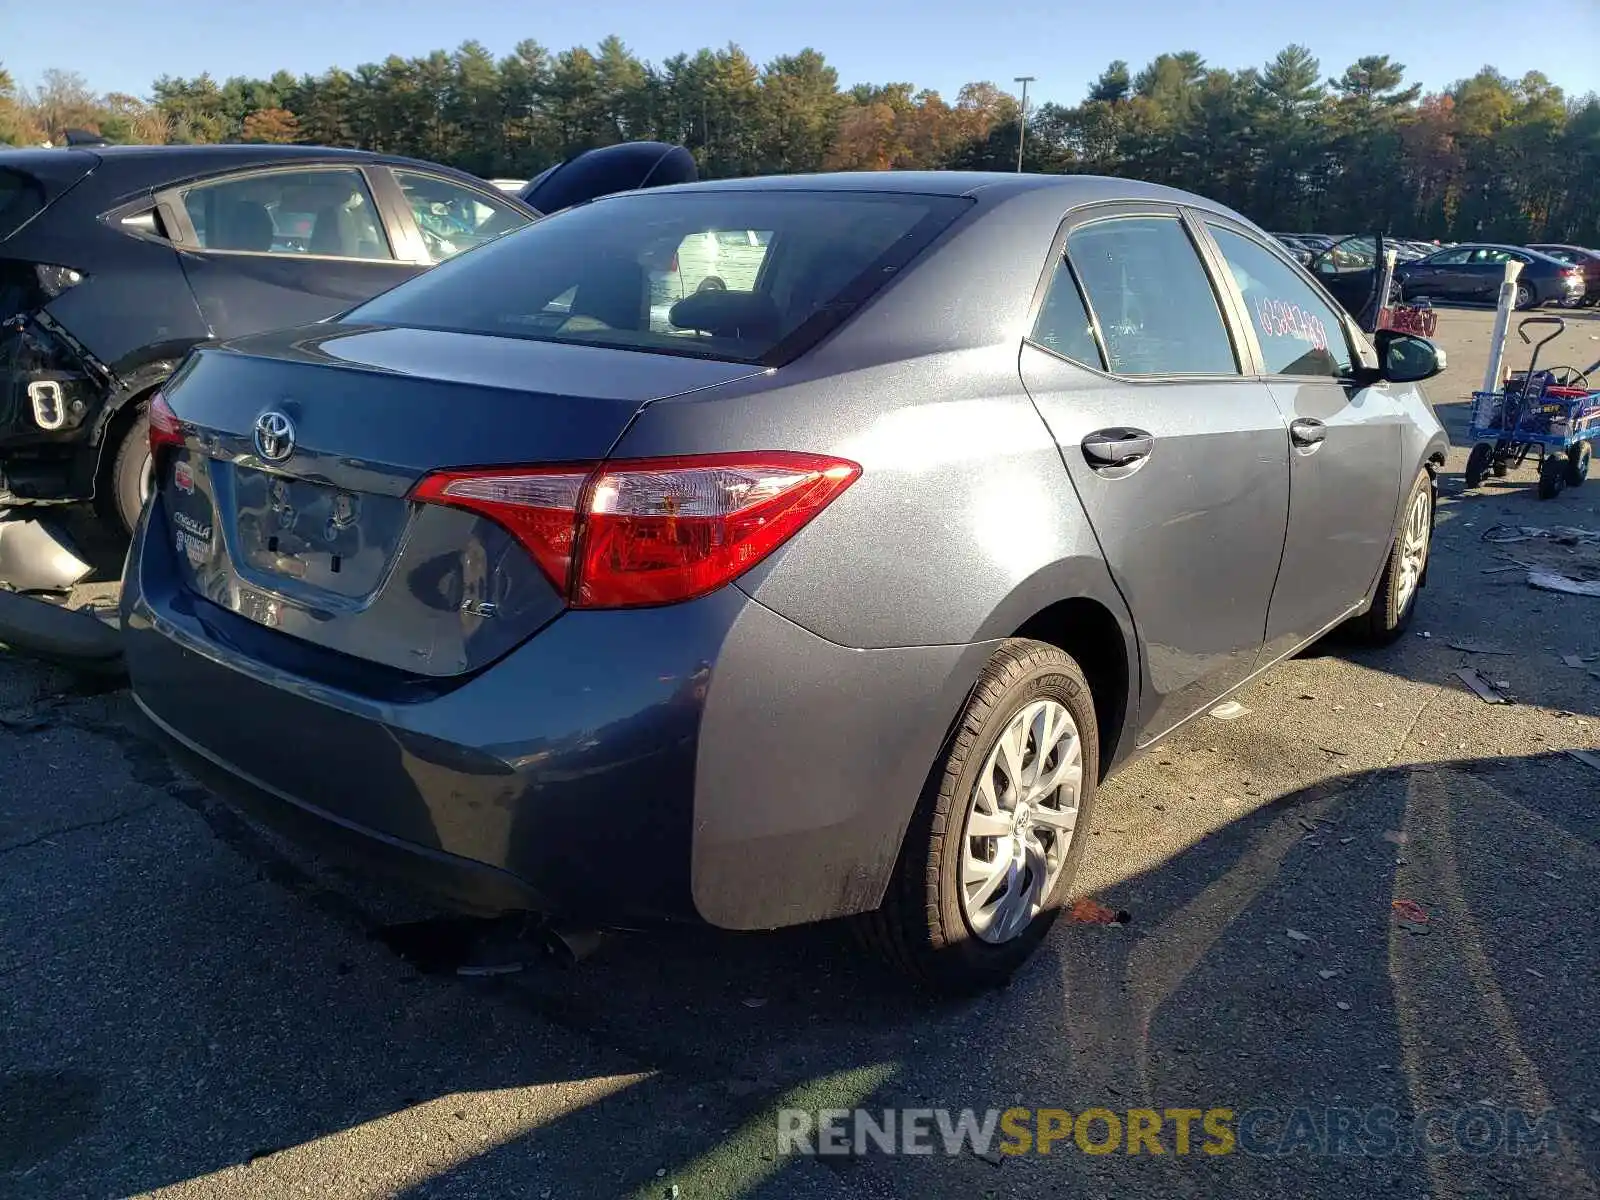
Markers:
point(1022, 127)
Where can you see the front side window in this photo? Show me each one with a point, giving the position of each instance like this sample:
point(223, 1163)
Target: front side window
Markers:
point(631, 271)
point(1299, 333)
point(453, 218)
point(1157, 312)
point(327, 213)
point(1449, 258)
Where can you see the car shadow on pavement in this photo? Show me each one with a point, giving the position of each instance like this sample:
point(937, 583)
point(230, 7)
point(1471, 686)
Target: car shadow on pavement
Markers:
point(253, 1042)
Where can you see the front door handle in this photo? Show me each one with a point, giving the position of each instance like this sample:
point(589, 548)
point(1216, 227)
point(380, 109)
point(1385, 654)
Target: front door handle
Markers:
point(1307, 431)
point(1117, 447)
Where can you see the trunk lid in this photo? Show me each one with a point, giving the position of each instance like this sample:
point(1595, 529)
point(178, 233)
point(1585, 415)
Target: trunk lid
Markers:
point(322, 543)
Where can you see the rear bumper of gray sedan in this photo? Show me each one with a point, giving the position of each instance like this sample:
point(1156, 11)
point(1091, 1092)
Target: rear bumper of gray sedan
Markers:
point(702, 761)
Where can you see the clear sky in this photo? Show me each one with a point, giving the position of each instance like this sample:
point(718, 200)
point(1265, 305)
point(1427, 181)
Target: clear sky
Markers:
point(122, 45)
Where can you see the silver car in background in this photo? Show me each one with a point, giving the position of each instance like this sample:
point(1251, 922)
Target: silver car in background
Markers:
point(833, 591)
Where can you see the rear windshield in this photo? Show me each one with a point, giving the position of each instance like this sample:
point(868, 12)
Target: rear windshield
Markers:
point(21, 197)
point(748, 276)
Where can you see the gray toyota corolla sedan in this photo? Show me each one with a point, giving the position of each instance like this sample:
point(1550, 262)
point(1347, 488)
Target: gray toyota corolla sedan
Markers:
point(595, 575)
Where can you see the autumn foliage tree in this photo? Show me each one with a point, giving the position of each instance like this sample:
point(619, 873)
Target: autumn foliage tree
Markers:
point(1492, 156)
point(277, 125)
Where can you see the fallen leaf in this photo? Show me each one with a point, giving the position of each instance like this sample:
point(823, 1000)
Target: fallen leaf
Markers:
point(1085, 911)
point(1410, 916)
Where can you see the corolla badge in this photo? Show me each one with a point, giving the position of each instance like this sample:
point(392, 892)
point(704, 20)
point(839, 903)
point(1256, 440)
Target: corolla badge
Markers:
point(274, 436)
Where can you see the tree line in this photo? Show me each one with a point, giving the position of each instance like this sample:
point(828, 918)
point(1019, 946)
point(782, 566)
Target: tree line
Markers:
point(1488, 158)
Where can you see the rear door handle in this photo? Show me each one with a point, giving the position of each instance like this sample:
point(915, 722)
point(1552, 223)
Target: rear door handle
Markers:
point(1307, 431)
point(1117, 447)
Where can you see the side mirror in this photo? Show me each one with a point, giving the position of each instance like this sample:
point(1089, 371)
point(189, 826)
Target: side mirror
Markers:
point(1407, 358)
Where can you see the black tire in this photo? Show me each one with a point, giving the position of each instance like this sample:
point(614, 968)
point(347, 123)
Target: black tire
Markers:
point(920, 928)
point(1526, 297)
point(1391, 613)
point(1477, 464)
point(1578, 463)
point(1552, 476)
point(711, 284)
point(123, 498)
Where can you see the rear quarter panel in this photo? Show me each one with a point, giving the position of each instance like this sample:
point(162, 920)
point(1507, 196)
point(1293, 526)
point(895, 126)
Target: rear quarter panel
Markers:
point(831, 699)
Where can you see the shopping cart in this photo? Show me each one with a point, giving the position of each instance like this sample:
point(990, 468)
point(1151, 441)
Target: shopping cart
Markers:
point(1552, 414)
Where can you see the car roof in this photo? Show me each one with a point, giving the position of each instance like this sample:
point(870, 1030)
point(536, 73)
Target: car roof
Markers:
point(991, 186)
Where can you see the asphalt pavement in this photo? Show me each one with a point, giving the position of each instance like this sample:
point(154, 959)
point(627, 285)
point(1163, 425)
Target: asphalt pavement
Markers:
point(1372, 892)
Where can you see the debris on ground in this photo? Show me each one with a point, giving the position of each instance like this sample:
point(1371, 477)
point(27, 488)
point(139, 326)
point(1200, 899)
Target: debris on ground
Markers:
point(1410, 916)
point(1294, 935)
point(1329, 973)
point(28, 720)
point(1562, 535)
point(1396, 836)
point(1575, 660)
point(1342, 1005)
point(1479, 648)
point(1587, 757)
point(754, 1001)
point(1552, 581)
point(1086, 911)
point(1229, 710)
point(1484, 689)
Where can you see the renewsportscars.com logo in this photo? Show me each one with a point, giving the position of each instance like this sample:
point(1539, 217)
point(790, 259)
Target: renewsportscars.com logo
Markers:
point(1264, 1132)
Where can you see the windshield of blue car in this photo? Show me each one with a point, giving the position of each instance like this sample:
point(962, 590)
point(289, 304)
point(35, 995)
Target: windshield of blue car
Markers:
point(745, 275)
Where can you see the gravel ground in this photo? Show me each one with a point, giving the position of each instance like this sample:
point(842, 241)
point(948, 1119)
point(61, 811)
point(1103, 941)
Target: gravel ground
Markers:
point(190, 1009)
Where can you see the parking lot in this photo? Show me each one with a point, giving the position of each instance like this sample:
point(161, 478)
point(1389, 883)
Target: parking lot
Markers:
point(190, 1008)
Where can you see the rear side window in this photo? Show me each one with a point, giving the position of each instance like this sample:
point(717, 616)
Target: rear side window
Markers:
point(323, 213)
point(1155, 306)
point(21, 197)
point(1063, 324)
point(744, 275)
point(1298, 332)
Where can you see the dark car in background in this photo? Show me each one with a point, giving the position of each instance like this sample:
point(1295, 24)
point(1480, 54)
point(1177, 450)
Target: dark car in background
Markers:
point(831, 591)
point(115, 261)
point(1584, 258)
point(1473, 271)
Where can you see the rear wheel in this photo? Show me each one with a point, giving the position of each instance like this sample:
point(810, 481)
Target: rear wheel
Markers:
point(129, 481)
point(1402, 576)
point(1525, 296)
point(994, 844)
point(1552, 476)
point(1578, 463)
point(1477, 464)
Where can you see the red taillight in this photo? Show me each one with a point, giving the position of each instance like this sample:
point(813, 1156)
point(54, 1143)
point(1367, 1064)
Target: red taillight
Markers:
point(649, 531)
point(538, 506)
point(165, 428)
